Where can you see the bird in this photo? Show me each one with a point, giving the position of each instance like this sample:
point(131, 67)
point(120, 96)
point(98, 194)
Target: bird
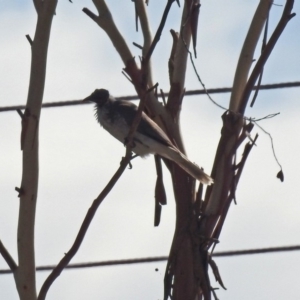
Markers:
point(116, 116)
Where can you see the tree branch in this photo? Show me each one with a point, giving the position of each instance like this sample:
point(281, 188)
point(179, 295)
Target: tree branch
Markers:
point(25, 274)
point(285, 18)
point(8, 258)
point(142, 13)
point(84, 227)
point(247, 53)
point(177, 77)
point(158, 32)
point(106, 22)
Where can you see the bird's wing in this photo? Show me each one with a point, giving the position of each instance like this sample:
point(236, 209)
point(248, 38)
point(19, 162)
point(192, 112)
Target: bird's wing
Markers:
point(147, 126)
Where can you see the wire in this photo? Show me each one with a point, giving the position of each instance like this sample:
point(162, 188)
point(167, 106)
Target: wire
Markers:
point(161, 258)
point(134, 97)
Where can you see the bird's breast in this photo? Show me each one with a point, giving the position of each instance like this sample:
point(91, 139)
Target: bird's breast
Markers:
point(119, 128)
point(113, 123)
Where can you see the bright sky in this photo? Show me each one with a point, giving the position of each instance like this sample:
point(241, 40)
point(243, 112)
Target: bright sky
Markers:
point(77, 157)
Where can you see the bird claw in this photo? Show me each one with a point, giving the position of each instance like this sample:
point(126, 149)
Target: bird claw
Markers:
point(131, 158)
point(131, 144)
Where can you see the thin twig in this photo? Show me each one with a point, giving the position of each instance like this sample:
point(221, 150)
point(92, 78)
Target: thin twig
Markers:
point(286, 17)
point(7, 257)
point(20, 113)
point(137, 45)
point(262, 49)
point(29, 39)
point(158, 32)
point(84, 227)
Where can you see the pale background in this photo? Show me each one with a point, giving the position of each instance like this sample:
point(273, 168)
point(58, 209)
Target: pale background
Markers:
point(77, 157)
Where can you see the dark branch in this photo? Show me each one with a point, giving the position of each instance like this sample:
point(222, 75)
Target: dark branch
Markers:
point(7, 257)
point(90, 13)
point(137, 45)
point(84, 227)
point(158, 32)
point(264, 43)
point(286, 17)
point(29, 39)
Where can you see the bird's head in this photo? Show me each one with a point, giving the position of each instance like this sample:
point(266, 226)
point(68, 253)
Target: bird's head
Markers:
point(99, 96)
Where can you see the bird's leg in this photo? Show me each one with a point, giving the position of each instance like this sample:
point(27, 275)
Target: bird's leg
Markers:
point(126, 143)
point(132, 145)
point(134, 156)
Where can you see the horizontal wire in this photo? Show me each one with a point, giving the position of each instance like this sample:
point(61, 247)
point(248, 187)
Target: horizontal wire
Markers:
point(134, 97)
point(161, 258)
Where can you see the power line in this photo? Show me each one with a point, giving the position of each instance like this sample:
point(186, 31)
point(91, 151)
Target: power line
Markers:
point(161, 258)
point(134, 97)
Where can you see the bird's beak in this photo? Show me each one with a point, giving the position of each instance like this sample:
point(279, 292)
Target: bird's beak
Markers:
point(87, 99)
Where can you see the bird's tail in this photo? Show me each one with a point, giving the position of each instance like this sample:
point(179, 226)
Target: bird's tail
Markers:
point(192, 169)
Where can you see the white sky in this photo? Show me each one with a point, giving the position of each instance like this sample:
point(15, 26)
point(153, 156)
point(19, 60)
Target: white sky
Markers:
point(77, 157)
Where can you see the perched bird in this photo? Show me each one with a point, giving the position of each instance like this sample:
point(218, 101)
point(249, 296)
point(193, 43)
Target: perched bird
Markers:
point(116, 116)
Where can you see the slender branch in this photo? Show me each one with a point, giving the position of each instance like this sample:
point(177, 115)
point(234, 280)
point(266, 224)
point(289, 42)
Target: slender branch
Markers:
point(175, 37)
point(264, 42)
point(29, 39)
point(142, 14)
point(177, 78)
point(247, 53)
point(158, 32)
point(106, 22)
point(285, 18)
point(25, 274)
point(84, 227)
point(7, 257)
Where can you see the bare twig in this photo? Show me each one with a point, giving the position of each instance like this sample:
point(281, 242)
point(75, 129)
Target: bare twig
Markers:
point(158, 32)
point(175, 37)
point(7, 257)
point(247, 53)
point(160, 193)
point(137, 45)
point(106, 22)
point(216, 272)
point(136, 17)
point(142, 14)
point(84, 227)
point(20, 113)
point(262, 49)
point(29, 39)
point(195, 10)
point(286, 17)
